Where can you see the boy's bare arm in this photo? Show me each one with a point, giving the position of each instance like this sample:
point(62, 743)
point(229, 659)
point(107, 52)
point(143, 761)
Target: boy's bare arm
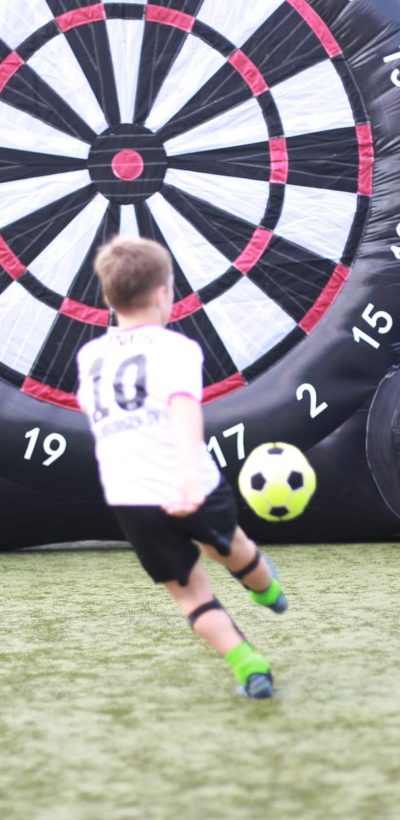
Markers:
point(187, 427)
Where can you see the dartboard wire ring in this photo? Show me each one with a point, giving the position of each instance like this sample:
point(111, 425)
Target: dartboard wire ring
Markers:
point(261, 237)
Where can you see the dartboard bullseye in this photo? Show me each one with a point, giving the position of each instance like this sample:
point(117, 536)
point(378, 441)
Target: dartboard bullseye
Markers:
point(127, 163)
point(243, 136)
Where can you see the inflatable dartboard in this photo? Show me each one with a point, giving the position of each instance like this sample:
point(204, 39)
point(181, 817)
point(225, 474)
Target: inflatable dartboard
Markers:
point(258, 140)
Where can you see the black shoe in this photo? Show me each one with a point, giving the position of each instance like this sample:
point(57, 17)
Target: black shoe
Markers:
point(281, 604)
point(258, 686)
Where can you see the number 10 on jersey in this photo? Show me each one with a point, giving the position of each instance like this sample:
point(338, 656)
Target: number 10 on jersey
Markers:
point(129, 386)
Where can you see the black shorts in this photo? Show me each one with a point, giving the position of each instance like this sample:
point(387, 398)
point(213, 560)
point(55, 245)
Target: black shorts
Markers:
point(165, 544)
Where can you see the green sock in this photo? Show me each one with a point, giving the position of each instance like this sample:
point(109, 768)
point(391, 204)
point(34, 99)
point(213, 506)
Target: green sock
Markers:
point(269, 596)
point(245, 661)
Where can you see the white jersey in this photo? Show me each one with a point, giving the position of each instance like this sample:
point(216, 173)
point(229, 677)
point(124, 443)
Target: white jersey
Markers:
point(126, 380)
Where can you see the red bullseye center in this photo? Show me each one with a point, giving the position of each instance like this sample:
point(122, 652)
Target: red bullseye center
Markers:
point(127, 165)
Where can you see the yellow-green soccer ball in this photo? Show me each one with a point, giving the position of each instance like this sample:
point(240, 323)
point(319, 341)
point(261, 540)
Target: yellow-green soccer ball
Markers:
point(277, 481)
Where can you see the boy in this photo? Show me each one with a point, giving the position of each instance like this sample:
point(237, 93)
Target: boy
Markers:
point(141, 385)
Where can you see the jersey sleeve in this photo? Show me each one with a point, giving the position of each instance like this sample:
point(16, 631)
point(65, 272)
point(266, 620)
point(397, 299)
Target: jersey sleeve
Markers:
point(183, 370)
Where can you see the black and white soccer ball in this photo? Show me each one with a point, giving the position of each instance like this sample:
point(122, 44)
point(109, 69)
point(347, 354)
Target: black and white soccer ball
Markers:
point(277, 481)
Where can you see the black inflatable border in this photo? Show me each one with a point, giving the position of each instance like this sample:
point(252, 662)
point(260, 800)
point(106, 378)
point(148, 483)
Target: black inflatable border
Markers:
point(44, 507)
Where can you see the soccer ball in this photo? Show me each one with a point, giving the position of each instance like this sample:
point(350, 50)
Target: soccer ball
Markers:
point(277, 481)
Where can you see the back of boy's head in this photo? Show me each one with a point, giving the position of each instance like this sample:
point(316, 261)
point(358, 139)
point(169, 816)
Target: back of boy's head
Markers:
point(130, 270)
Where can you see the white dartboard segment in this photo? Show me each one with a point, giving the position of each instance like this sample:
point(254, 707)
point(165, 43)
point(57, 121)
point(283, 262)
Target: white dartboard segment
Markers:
point(238, 20)
point(56, 64)
point(245, 198)
point(19, 20)
point(25, 324)
point(200, 261)
point(313, 100)
point(24, 196)
point(16, 197)
point(128, 224)
point(57, 265)
point(241, 125)
point(317, 219)
point(21, 131)
point(247, 322)
point(125, 38)
point(195, 64)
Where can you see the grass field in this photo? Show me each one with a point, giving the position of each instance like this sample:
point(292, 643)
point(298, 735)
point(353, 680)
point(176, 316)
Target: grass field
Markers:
point(112, 710)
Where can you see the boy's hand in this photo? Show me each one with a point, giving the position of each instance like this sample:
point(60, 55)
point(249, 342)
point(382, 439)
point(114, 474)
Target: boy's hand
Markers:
point(192, 497)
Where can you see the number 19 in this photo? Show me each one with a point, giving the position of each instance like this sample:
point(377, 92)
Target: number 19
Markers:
point(54, 445)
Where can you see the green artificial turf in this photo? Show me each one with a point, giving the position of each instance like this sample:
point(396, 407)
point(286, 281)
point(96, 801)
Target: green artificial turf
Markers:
point(111, 709)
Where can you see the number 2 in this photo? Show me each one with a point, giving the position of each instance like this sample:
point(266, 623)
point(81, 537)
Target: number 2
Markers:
point(315, 409)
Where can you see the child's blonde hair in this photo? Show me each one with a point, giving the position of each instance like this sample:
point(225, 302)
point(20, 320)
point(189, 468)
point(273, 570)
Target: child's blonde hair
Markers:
point(130, 269)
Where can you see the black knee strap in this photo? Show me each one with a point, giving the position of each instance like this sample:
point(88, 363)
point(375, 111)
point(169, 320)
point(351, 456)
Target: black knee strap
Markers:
point(248, 568)
point(200, 610)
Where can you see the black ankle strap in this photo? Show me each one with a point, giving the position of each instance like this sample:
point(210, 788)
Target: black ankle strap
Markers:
point(214, 604)
point(248, 568)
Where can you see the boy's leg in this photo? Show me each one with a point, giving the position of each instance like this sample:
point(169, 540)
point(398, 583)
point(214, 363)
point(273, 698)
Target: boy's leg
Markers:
point(214, 625)
point(248, 566)
point(210, 621)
